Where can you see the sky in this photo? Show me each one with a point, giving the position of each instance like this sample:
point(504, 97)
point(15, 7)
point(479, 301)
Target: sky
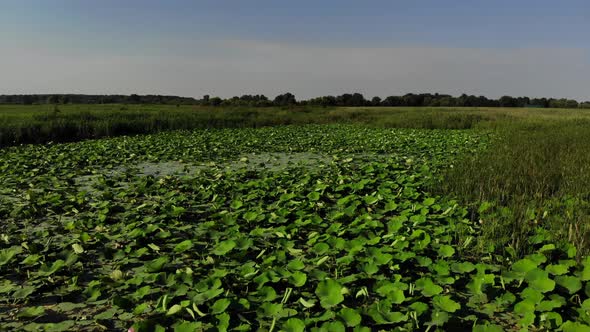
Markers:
point(535, 48)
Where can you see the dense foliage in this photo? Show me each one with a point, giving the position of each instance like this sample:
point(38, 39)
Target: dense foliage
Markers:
point(288, 99)
point(94, 99)
point(352, 240)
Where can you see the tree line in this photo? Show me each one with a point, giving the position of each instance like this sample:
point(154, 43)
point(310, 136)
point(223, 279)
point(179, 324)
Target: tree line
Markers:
point(34, 99)
point(288, 99)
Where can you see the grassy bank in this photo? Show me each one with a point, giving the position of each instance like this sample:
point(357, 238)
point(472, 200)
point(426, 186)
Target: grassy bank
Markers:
point(43, 123)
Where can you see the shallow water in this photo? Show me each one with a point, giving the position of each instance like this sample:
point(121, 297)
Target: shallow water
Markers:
point(271, 162)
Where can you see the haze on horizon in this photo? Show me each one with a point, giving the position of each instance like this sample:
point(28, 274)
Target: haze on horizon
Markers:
point(310, 48)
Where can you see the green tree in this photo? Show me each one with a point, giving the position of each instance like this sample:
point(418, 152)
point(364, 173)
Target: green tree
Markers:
point(285, 99)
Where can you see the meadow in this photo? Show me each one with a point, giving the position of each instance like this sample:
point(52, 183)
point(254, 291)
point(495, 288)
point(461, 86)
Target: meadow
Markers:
point(293, 219)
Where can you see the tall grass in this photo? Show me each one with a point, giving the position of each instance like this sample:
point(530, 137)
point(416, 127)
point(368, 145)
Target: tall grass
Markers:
point(534, 181)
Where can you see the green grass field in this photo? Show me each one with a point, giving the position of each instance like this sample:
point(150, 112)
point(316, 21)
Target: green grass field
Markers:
point(320, 219)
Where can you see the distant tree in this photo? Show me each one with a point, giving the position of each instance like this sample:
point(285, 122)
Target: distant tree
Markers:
point(392, 101)
point(357, 99)
point(53, 99)
point(427, 100)
point(324, 101)
point(411, 99)
point(344, 99)
point(285, 99)
point(446, 101)
point(571, 103)
point(27, 100)
point(542, 102)
point(134, 98)
point(215, 101)
point(507, 101)
point(376, 101)
point(562, 103)
point(522, 101)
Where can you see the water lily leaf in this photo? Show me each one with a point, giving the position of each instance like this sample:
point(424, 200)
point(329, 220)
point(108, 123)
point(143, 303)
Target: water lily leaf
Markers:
point(572, 284)
point(223, 322)
point(250, 216)
point(392, 293)
point(31, 312)
point(386, 317)
point(47, 270)
point(586, 305)
point(107, 314)
point(69, 306)
point(524, 307)
point(539, 280)
point(187, 327)
point(183, 246)
point(428, 287)
point(378, 256)
point(116, 275)
point(419, 307)
point(174, 310)
point(548, 305)
point(6, 255)
point(307, 303)
point(445, 303)
point(78, 249)
point(236, 204)
point(438, 318)
point(488, 328)
point(524, 265)
point(429, 201)
point(370, 200)
point(350, 316)
point(219, 306)
point(298, 278)
point(271, 309)
point(557, 269)
point(267, 293)
point(313, 196)
point(464, 267)
point(207, 295)
point(446, 251)
point(330, 293)
point(24, 292)
point(370, 268)
point(532, 295)
point(31, 259)
point(224, 247)
point(570, 326)
point(157, 264)
point(321, 248)
point(294, 325)
point(334, 326)
point(296, 265)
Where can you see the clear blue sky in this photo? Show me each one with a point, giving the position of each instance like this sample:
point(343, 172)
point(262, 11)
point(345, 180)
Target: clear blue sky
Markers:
point(311, 48)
